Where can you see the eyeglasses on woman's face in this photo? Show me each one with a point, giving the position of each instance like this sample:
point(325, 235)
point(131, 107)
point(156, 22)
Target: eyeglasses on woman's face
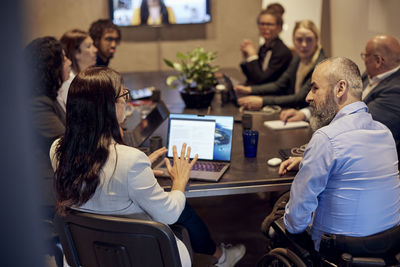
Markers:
point(124, 94)
point(267, 24)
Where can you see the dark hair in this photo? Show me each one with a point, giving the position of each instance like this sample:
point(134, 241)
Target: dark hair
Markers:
point(71, 41)
point(276, 7)
point(91, 127)
point(45, 59)
point(276, 10)
point(144, 13)
point(98, 28)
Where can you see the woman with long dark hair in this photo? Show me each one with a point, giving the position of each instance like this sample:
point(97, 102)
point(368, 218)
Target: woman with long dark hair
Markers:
point(153, 12)
point(94, 170)
point(49, 68)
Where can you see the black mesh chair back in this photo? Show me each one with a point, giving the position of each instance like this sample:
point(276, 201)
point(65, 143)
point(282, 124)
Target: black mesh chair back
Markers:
point(99, 240)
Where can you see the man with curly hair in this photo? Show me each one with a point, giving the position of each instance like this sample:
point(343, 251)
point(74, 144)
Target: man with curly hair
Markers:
point(106, 36)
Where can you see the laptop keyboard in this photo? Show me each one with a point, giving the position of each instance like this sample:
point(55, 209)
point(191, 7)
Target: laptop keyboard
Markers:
point(206, 166)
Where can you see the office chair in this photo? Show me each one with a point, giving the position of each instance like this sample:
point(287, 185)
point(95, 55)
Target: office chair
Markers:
point(381, 249)
point(98, 240)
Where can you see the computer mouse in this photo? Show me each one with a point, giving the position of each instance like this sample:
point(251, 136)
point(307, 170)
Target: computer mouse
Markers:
point(274, 162)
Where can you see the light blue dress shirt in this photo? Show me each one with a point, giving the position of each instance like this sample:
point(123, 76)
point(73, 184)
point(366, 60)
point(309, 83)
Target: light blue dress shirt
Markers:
point(348, 180)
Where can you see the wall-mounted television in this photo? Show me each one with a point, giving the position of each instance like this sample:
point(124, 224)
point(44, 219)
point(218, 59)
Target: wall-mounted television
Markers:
point(159, 12)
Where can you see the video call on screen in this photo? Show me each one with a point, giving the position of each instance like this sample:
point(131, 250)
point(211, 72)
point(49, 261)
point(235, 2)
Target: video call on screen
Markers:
point(184, 11)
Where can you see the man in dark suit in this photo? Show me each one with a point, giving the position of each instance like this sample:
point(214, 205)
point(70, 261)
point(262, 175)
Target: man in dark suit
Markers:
point(382, 81)
point(381, 84)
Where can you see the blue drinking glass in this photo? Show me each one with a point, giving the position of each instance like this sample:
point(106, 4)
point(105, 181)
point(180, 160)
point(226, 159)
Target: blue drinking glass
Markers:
point(250, 141)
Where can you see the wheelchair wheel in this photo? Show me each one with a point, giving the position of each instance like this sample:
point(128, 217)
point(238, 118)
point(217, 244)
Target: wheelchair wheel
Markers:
point(281, 257)
point(269, 260)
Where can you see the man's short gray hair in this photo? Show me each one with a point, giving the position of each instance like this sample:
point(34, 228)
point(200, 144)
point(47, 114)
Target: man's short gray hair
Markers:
point(342, 68)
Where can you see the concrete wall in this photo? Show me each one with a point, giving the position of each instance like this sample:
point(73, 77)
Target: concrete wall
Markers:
point(346, 26)
point(141, 48)
point(353, 22)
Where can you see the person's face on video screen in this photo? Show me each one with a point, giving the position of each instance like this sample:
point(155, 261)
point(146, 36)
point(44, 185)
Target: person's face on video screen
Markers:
point(153, 2)
point(108, 43)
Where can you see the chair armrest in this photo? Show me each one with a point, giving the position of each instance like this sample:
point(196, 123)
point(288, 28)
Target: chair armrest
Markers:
point(347, 260)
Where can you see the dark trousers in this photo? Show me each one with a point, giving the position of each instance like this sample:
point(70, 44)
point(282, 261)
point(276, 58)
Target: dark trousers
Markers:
point(200, 237)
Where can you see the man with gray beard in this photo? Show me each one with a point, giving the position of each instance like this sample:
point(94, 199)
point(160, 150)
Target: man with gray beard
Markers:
point(381, 85)
point(347, 181)
point(323, 114)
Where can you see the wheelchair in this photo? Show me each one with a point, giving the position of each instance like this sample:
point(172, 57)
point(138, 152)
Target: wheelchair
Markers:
point(285, 249)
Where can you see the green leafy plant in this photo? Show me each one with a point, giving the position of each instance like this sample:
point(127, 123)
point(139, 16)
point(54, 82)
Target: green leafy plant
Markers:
point(195, 70)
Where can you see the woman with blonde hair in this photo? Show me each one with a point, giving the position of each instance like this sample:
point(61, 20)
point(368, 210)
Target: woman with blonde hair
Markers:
point(291, 88)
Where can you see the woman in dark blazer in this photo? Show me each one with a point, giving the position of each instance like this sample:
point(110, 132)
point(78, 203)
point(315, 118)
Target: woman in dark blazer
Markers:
point(49, 68)
point(291, 88)
point(273, 56)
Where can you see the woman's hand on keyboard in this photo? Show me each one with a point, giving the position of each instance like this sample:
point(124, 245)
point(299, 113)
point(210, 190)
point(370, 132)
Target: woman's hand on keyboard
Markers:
point(180, 170)
point(156, 155)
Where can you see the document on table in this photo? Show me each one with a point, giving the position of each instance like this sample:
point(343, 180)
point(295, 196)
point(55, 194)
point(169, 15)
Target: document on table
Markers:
point(280, 125)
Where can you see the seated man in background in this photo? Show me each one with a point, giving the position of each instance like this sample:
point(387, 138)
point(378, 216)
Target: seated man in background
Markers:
point(381, 84)
point(106, 37)
point(342, 187)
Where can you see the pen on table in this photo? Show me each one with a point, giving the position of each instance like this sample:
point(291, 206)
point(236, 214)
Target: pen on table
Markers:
point(284, 122)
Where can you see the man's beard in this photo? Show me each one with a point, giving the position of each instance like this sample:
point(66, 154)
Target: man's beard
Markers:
point(323, 114)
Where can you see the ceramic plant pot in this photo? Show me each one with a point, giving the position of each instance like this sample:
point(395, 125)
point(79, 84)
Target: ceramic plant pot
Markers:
point(196, 99)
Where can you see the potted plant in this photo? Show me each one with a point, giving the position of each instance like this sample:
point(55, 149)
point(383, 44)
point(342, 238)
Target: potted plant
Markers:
point(195, 78)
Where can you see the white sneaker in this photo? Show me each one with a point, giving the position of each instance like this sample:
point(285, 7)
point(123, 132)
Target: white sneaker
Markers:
point(230, 255)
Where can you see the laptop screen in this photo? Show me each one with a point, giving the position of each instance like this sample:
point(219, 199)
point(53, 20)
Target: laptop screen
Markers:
point(208, 136)
point(149, 124)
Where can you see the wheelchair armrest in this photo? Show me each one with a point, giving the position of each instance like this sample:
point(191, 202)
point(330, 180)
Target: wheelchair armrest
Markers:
point(348, 260)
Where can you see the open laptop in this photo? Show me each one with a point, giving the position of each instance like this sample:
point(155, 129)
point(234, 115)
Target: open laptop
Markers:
point(141, 132)
point(229, 84)
point(208, 136)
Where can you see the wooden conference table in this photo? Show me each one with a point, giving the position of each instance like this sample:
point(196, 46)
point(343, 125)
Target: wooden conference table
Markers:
point(245, 175)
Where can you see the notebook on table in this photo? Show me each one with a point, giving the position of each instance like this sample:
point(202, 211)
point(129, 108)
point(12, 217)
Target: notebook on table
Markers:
point(280, 125)
point(208, 136)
